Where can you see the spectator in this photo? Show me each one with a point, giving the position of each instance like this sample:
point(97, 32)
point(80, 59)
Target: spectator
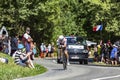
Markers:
point(34, 48)
point(14, 44)
point(9, 45)
point(105, 53)
point(46, 51)
point(50, 50)
point(96, 53)
point(4, 60)
point(4, 42)
point(110, 47)
point(43, 50)
point(21, 58)
point(91, 55)
point(118, 54)
point(27, 40)
point(101, 42)
point(117, 43)
point(99, 50)
point(113, 55)
point(109, 43)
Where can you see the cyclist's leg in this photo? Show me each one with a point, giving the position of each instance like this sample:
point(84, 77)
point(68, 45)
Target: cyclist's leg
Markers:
point(67, 56)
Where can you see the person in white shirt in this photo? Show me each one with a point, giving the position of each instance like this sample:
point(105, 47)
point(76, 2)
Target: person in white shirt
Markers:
point(28, 43)
point(27, 40)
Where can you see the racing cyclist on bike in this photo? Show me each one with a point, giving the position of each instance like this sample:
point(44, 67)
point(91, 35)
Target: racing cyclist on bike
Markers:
point(62, 42)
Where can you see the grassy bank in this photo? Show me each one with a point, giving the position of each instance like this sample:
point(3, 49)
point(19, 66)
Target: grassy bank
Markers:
point(12, 71)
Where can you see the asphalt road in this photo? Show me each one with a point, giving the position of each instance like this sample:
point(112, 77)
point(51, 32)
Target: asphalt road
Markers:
point(75, 72)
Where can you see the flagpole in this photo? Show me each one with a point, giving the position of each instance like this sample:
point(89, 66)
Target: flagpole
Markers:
point(101, 34)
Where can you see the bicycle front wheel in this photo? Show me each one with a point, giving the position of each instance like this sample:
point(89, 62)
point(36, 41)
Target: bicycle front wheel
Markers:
point(64, 62)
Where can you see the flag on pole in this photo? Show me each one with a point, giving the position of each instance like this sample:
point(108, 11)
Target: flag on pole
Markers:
point(94, 28)
point(98, 28)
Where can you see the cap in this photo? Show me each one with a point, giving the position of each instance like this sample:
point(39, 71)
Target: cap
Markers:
point(20, 46)
point(114, 45)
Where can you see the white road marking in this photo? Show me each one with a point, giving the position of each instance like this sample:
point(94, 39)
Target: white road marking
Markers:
point(107, 77)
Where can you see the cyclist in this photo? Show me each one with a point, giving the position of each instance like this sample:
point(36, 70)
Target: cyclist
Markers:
point(62, 42)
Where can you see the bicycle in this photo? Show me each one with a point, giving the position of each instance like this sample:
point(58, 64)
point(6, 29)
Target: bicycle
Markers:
point(64, 59)
point(61, 57)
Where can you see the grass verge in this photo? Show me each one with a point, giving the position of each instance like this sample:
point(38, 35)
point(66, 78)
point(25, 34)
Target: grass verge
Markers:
point(12, 71)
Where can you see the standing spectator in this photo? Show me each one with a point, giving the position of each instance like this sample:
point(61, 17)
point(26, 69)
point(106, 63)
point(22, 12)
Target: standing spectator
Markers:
point(99, 50)
point(28, 41)
point(101, 42)
point(105, 53)
point(91, 55)
point(110, 47)
point(14, 44)
point(50, 50)
point(109, 43)
point(43, 50)
point(117, 43)
point(96, 53)
point(46, 51)
point(113, 55)
point(118, 54)
point(4, 42)
point(34, 48)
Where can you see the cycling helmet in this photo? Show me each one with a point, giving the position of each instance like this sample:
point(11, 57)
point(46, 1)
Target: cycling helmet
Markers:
point(61, 37)
point(20, 46)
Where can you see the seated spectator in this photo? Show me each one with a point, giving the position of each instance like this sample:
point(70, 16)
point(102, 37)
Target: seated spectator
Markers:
point(21, 58)
point(4, 60)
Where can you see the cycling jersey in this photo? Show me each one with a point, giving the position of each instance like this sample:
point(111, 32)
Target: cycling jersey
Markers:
point(62, 42)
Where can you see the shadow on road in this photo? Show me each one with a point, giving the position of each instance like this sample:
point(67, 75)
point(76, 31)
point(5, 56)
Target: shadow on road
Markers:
point(58, 69)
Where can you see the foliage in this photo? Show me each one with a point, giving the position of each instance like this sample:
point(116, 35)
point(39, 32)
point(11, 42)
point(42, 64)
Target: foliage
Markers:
point(50, 18)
